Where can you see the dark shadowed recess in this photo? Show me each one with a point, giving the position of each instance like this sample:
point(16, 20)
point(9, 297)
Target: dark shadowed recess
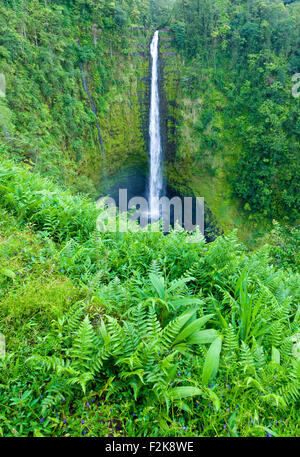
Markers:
point(136, 183)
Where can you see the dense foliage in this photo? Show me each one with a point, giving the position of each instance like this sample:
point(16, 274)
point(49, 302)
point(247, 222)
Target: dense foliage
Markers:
point(138, 333)
point(69, 67)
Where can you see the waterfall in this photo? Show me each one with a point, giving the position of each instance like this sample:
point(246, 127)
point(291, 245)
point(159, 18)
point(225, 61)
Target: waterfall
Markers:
point(156, 178)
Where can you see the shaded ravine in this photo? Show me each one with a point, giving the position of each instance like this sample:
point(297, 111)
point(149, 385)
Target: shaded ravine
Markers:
point(154, 184)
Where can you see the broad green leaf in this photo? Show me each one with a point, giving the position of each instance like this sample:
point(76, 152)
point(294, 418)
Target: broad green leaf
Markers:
point(277, 399)
point(176, 302)
point(172, 373)
point(211, 363)
point(223, 321)
point(253, 382)
point(178, 284)
point(168, 334)
point(184, 407)
point(181, 347)
point(267, 429)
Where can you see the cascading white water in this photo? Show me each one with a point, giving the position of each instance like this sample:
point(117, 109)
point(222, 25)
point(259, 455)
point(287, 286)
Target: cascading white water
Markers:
point(156, 179)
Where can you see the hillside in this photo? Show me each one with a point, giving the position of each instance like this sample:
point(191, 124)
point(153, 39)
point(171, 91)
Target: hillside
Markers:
point(135, 332)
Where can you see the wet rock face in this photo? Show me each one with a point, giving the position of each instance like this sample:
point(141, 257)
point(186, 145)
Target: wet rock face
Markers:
point(128, 136)
point(96, 33)
point(169, 85)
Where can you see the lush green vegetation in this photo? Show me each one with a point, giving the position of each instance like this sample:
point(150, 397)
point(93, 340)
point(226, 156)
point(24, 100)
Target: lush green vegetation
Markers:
point(235, 129)
point(136, 333)
point(139, 333)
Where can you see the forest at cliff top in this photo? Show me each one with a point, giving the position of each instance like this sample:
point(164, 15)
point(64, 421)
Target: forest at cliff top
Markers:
point(141, 334)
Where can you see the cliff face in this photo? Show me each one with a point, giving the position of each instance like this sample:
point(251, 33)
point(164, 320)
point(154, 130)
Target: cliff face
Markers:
point(177, 172)
point(122, 111)
point(193, 164)
point(78, 94)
